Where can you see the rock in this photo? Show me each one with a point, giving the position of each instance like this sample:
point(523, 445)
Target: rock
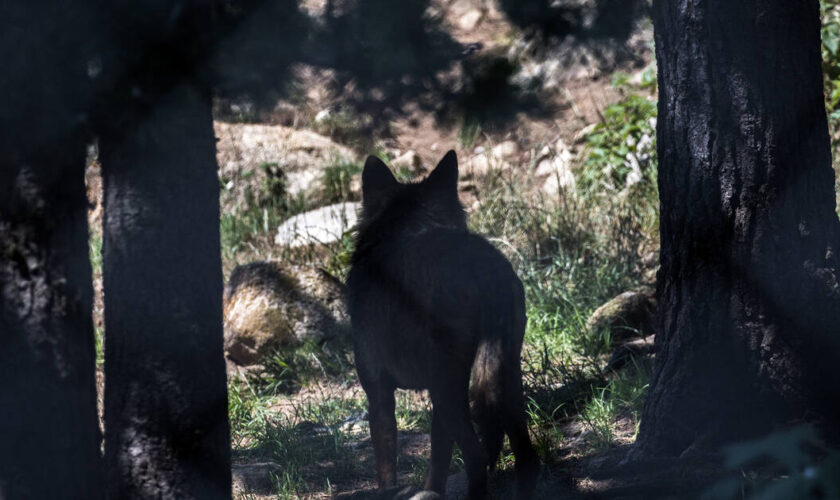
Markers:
point(320, 226)
point(252, 156)
point(481, 165)
point(469, 20)
point(322, 115)
point(255, 478)
point(410, 160)
point(556, 170)
point(394, 493)
point(626, 352)
point(269, 305)
point(506, 150)
point(626, 314)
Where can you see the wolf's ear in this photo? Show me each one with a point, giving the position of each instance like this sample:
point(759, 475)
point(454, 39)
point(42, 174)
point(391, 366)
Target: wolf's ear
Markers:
point(445, 176)
point(376, 179)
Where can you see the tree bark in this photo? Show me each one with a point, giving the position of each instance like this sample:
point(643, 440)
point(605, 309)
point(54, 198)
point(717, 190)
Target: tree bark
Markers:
point(49, 432)
point(748, 285)
point(167, 433)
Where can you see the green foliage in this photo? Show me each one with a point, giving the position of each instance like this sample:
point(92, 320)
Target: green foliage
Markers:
point(469, 133)
point(800, 466)
point(262, 211)
point(572, 256)
point(95, 253)
point(621, 150)
point(336, 180)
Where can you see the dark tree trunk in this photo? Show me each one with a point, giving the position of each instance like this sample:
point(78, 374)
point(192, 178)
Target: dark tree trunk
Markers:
point(166, 426)
point(748, 286)
point(49, 432)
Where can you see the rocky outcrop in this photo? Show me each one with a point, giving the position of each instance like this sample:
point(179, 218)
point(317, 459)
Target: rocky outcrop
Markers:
point(320, 226)
point(626, 315)
point(269, 306)
point(257, 160)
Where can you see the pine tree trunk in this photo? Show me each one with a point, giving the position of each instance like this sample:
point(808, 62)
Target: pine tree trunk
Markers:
point(748, 286)
point(49, 432)
point(167, 433)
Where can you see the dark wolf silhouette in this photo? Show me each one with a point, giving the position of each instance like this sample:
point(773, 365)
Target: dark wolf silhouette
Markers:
point(431, 303)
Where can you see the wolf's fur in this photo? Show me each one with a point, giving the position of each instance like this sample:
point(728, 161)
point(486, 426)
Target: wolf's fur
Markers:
point(430, 303)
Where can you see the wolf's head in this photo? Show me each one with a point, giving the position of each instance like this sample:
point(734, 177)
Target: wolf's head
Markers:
point(431, 203)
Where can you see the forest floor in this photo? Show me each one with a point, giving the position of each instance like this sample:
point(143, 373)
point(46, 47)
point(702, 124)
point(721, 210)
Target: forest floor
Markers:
point(559, 174)
point(303, 415)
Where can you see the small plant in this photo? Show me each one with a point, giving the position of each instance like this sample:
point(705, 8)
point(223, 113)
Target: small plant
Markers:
point(95, 252)
point(621, 150)
point(336, 181)
point(598, 416)
point(469, 133)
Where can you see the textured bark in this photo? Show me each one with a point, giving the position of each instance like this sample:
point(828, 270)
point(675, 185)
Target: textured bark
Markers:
point(167, 433)
point(748, 286)
point(49, 433)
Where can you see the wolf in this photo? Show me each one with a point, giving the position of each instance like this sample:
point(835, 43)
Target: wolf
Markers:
point(432, 306)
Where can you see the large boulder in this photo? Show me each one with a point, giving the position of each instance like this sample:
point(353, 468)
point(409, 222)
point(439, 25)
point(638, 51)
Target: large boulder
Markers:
point(320, 226)
point(626, 314)
point(270, 305)
point(256, 161)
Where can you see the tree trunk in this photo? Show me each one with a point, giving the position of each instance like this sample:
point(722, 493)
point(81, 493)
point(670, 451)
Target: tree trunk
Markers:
point(748, 286)
point(49, 432)
point(166, 426)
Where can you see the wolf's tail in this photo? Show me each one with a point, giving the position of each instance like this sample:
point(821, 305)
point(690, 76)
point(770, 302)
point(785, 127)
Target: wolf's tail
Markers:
point(488, 396)
point(496, 390)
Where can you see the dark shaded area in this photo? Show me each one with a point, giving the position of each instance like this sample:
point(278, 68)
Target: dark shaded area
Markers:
point(389, 51)
point(485, 95)
point(49, 435)
point(597, 19)
point(380, 56)
point(748, 280)
point(257, 42)
point(166, 423)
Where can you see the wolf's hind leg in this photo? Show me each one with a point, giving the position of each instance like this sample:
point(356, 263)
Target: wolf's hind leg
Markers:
point(515, 422)
point(441, 454)
point(383, 433)
point(453, 406)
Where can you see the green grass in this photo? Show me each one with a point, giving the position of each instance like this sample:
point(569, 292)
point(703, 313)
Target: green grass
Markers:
point(469, 133)
point(256, 222)
point(336, 180)
point(572, 252)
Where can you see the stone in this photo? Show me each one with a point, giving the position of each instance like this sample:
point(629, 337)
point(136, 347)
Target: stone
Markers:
point(506, 150)
point(410, 160)
point(557, 172)
point(255, 477)
point(469, 20)
point(626, 315)
point(253, 156)
point(481, 165)
point(631, 351)
point(320, 226)
point(269, 305)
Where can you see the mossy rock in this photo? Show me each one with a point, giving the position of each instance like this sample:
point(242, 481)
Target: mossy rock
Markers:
point(271, 305)
point(626, 315)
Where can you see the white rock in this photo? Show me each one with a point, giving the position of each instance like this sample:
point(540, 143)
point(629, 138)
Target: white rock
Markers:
point(409, 159)
point(322, 115)
point(506, 150)
point(470, 20)
point(558, 175)
point(320, 226)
